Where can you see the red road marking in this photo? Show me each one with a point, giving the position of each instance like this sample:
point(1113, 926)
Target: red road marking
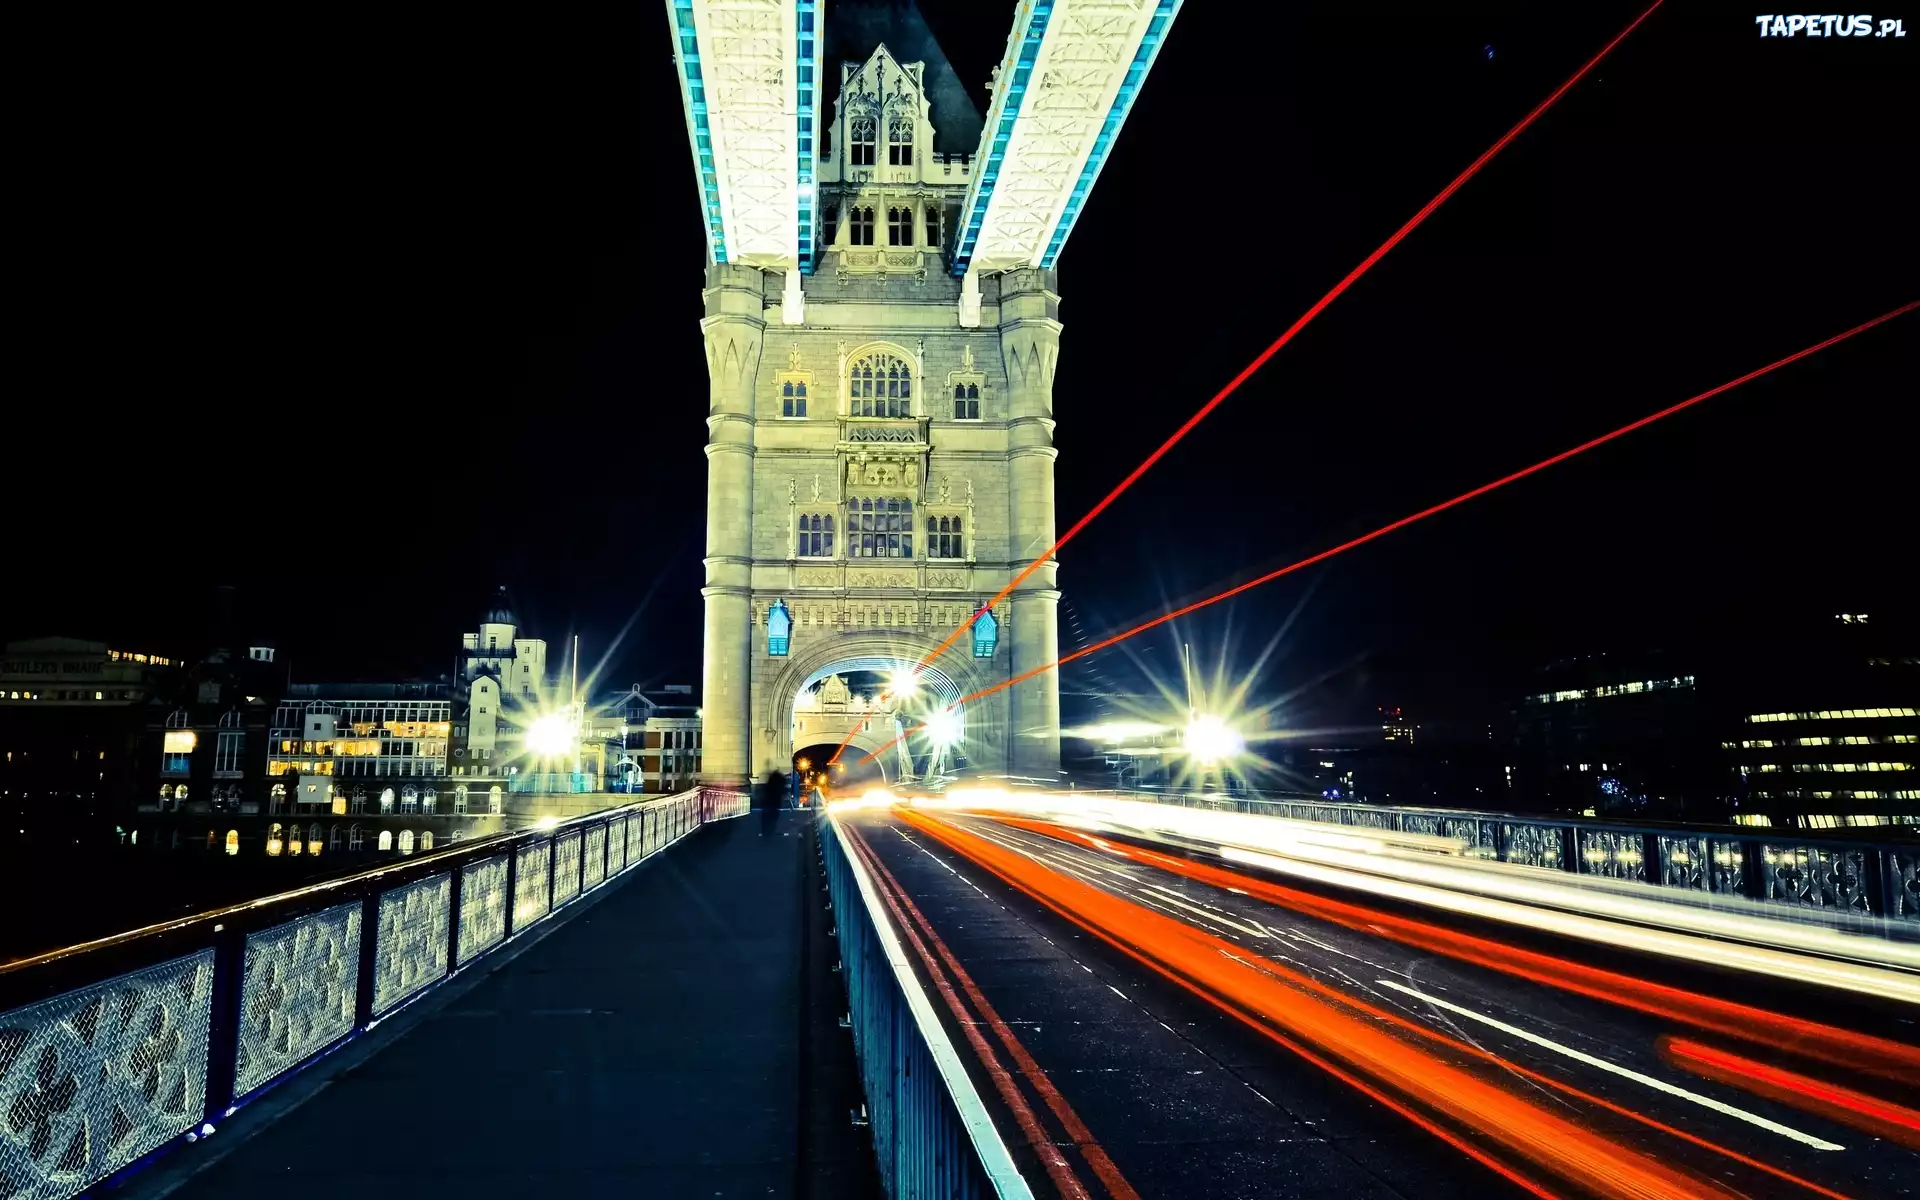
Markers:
point(1096, 1156)
point(1056, 1165)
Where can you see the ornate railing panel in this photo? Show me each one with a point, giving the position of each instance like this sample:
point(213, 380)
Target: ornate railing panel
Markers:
point(595, 866)
point(1903, 884)
point(1613, 854)
point(94, 1079)
point(532, 883)
point(566, 867)
point(483, 906)
point(298, 984)
point(1534, 846)
point(112, 1050)
point(617, 846)
point(1816, 877)
point(411, 949)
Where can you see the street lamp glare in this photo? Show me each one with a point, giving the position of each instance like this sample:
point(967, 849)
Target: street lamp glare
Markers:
point(943, 727)
point(1209, 740)
point(550, 736)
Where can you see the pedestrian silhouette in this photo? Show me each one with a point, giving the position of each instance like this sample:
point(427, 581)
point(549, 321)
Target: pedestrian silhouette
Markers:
point(773, 796)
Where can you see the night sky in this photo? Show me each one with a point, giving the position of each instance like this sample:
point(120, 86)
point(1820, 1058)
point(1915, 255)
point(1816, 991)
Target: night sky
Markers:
point(367, 310)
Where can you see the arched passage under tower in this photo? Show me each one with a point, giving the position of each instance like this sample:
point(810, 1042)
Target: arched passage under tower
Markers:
point(845, 692)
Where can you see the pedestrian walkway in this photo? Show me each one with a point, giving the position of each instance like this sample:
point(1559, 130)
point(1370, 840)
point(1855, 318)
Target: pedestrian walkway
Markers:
point(675, 1038)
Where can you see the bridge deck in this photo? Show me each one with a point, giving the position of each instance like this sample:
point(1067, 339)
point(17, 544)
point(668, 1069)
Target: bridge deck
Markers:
point(675, 1038)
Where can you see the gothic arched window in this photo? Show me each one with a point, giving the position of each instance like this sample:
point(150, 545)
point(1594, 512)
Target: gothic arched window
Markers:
point(900, 141)
point(966, 402)
point(779, 629)
point(815, 539)
point(900, 226)
point(880, 527)
point(862, 133)
point(936, 232)
point(860, 225)
point(386, 839)
point(880, 385)
point(946, 537)
point(793, 398)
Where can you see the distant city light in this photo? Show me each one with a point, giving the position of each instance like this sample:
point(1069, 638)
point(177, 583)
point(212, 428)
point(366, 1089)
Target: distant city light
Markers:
point(1209, 740)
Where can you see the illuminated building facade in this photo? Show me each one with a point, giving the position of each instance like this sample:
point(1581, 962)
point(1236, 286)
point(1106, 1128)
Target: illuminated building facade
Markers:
point(368, 748)
point(663, 750)
point(503, 683)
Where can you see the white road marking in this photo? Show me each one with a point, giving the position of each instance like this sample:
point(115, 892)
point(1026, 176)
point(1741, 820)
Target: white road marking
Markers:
point(1658, 1085)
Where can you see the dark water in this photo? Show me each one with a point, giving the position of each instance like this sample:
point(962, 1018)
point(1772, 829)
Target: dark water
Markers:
point(52, 898)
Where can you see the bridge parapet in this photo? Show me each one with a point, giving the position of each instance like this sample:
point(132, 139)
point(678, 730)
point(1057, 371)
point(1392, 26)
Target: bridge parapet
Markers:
point(1783, 867)
point(115, 1051)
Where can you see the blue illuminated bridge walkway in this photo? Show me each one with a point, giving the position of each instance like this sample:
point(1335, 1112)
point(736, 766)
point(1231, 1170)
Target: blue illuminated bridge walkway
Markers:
point(1057, 995)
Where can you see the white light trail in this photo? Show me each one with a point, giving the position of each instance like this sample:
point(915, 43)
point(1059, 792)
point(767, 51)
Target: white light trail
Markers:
point(1658, 1085)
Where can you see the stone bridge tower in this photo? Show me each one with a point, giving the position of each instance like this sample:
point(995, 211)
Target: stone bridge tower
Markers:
point(880, 439)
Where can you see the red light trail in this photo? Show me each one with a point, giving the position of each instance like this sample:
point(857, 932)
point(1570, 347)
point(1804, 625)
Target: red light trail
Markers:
point(1246, 373)
point(1411, 518)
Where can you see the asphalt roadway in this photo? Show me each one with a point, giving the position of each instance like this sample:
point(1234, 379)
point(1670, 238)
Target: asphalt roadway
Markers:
point(1181, 1099)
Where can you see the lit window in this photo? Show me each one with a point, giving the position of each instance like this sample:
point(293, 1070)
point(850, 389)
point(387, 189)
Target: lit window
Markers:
point(779, 629)
point(880, 385)
point(986, 634)
point(815, 536)
point(862, 133)
point(966, 402)
point(900, 226)
point(946, 537)
point(273, 840)
point(900, 142)
point(406, 841)
point(233, 841)
point(793, 398)
point(386, 839)
point(880, 527)
point(860, 226)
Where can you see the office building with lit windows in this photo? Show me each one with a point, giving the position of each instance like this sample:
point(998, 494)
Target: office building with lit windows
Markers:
point(1807, 722)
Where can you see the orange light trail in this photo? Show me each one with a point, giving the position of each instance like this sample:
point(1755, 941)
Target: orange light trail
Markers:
point(1411, 518)
point(1297, 1012)
point(1882, 1118)
point(1252, 368)
point(1808, 1039)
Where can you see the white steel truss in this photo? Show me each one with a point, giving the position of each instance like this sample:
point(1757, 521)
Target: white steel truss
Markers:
point(748, 74)
point(1070, 73)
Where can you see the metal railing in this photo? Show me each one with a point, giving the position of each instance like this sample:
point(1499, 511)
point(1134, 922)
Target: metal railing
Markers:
point(1775, 866)
point(932, 1137)
point(117, 1050)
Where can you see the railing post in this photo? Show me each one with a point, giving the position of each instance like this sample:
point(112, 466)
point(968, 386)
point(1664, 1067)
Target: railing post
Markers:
point(455, 878)
point(513, 882)
point(1650, 869)
point(369, 957)
point(228, 1009)
point(1753, 869)
point(1570, 848)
